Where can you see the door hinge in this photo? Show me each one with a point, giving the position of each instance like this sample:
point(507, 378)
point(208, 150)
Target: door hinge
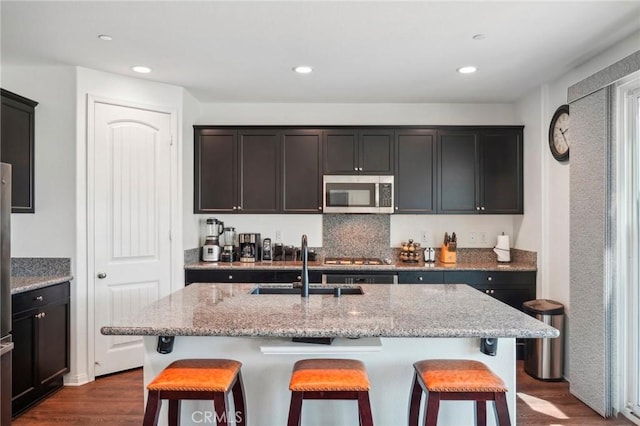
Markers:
point(171, 141)
point(170, 236)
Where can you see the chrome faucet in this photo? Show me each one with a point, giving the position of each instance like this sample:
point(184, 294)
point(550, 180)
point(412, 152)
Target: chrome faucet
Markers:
point(304, 277)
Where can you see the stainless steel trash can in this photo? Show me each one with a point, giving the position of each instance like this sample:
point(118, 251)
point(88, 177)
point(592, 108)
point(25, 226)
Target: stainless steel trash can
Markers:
point(544, 358)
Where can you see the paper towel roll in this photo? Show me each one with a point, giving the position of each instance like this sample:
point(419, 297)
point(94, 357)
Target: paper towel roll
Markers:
point(502, 248)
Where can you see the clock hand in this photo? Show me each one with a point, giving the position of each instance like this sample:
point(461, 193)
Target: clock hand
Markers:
point(563, 132)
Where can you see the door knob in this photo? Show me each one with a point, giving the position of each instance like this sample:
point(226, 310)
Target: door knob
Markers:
point(102, 275)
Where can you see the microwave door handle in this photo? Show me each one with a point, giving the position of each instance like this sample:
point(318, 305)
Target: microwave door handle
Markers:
point(377, 194)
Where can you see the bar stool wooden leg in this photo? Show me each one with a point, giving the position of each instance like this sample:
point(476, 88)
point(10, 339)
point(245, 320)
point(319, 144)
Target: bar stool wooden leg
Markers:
point(220, 408)
point(174, 412)
point(481, 413)
point(502, 409)
point(152, 412)
point(433, 405)
point(414, 402)
point(295, 409)
point(238, 401)
point(364, 409)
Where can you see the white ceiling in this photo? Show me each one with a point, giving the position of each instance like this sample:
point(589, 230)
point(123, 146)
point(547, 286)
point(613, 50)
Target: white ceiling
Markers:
point(365, 51)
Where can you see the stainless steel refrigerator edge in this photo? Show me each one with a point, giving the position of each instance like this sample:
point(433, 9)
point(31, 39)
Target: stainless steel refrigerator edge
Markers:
point(6, 345)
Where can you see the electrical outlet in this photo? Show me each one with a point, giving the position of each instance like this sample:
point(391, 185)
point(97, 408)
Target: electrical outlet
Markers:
point(424, 236)
point(482, 236)
point(278, 236)
point(473, 237)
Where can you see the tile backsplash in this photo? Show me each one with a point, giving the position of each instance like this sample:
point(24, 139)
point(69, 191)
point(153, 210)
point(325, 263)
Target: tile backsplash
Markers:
point(356, 235)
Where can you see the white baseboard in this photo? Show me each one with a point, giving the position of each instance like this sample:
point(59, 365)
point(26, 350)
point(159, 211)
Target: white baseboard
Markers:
point(76, 379)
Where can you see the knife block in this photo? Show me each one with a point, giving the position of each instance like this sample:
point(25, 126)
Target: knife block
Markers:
point(447, 256)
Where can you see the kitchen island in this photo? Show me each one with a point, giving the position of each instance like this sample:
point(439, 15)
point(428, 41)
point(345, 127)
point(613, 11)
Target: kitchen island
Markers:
point(388, 327)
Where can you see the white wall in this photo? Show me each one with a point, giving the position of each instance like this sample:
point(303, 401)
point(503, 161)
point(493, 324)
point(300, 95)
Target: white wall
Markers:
point(191, 111)
point(402, 226)
point(50, 231)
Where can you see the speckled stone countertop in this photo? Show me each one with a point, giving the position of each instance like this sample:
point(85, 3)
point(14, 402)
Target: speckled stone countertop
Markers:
point(398, 266)
point(447, 310)
point(22, 284)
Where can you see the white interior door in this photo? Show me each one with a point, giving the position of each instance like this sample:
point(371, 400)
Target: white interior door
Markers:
point(132, 209)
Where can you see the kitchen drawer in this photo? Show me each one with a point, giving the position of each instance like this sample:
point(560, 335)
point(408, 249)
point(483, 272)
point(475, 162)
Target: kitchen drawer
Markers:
point(490, 277)
point(40, 297)
point(421, 277)
point(245, 276)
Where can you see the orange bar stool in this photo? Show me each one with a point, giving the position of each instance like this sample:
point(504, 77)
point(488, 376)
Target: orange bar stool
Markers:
point(202, 379)
point(457, 380)
point(329, 379)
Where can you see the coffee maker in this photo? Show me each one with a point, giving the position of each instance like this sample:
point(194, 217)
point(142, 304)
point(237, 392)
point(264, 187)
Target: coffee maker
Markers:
point(228, 251)
point(211, 248)
point(250, 248)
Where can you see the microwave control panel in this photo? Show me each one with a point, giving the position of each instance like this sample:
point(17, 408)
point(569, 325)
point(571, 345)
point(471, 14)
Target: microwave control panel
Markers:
point(386, 195)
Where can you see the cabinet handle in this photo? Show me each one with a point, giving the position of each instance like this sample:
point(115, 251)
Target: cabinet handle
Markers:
point(40, 315)
point(39, 298)
point(102, 275)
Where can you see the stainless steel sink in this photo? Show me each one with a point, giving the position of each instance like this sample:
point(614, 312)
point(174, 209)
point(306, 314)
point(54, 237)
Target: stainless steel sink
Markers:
point(335, 291)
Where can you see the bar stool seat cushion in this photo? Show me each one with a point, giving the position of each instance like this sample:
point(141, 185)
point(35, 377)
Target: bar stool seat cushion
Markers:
point(450, 375)
point(326, 375)
point(209, 375)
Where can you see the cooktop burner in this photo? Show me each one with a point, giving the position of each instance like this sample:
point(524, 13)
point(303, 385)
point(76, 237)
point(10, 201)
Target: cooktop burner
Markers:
point(352, 261)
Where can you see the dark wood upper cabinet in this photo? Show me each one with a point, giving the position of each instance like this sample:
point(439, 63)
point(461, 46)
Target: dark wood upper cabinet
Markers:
point(259, 154)
point(17, 124)
point(415, 178)
point(501, 171)
point(358, 151)
point(458, 171)
point(445, 170)
point(215, 170)
point(301, 171)
point(480, 171)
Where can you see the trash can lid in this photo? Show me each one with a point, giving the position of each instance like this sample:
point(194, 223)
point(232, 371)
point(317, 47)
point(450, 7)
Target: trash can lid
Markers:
point(543, 307)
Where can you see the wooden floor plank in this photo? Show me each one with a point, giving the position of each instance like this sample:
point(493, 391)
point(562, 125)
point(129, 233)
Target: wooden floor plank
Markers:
point(117, 400)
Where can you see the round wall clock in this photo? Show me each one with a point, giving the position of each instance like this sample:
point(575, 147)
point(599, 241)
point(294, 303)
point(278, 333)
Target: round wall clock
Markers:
point(559, 134)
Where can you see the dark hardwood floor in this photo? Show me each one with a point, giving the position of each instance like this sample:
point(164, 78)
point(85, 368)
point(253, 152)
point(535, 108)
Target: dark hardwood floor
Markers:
point(118, 400)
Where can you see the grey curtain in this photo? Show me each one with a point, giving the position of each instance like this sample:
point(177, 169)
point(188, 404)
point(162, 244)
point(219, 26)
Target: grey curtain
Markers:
point(592, 230)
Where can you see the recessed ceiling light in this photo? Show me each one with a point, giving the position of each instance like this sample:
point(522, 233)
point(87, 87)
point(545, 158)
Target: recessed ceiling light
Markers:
point(479, 37)
point(303, 69)
point(105, 37)
point(141, 69)
point(467, 70)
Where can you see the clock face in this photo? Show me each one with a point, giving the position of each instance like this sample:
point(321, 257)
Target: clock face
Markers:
point(559, 140)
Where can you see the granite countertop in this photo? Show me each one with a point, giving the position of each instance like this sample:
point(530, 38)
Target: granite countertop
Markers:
point(434, 310)
point(397, 266)
point(22, 284)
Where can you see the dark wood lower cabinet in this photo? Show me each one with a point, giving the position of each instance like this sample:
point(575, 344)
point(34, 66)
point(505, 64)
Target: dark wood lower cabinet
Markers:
point(247, 276)
point(41, 344)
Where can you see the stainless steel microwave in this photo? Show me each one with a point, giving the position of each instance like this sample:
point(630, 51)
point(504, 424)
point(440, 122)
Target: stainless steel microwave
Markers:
point(357, 194)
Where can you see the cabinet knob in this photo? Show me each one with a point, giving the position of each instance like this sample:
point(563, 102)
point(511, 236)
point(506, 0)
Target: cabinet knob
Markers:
point(102, 275)
point(478, 208)
point(492, 291)
point(486, 291)
point(355, 168)
point(319, 207)
point(396, 207)
point(230, 277)
point(39, 298)
point(482, 208)
point(234, 207)
point(40, 315)
point(419, 278)
point(489, 278)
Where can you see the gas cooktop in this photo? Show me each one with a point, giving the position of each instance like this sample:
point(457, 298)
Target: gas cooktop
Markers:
point(352, 261)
